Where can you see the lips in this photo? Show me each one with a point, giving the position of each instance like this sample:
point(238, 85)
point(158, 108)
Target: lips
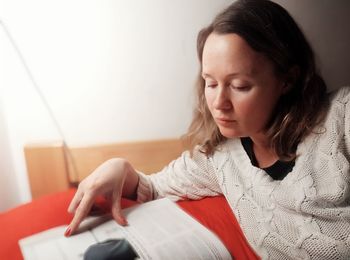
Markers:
point(224, 121)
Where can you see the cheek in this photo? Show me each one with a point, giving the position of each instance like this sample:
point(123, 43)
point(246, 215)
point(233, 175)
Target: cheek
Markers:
point(255, 111)
point(209, 98)
point(245, 107)
point(251, 113)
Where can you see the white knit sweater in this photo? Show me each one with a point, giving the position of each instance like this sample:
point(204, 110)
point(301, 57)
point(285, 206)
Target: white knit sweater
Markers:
point(304, 216)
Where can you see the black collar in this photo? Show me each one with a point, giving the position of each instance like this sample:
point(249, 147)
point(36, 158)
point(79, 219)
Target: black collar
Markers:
point(277, 171)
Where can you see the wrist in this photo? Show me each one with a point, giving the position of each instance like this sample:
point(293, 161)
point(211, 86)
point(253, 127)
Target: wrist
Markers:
point(131, 182)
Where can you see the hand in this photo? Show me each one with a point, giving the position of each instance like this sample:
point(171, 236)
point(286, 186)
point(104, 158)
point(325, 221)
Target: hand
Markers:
point(107, 180)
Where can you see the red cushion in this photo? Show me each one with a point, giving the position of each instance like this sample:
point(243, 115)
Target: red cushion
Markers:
point(216, 214)
point(50, 211)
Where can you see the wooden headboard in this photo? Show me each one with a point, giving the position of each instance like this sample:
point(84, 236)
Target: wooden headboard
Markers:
point(55, 167)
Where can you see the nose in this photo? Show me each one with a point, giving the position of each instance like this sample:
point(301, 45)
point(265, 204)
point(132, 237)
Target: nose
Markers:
point(222, 100)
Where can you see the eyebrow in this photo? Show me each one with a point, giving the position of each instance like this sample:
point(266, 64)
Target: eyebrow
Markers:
point(231, 75)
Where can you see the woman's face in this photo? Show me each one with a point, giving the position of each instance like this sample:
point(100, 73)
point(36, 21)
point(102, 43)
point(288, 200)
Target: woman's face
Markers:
point(241, 88)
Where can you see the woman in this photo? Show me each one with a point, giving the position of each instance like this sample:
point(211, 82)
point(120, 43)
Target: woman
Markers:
point(265, 135)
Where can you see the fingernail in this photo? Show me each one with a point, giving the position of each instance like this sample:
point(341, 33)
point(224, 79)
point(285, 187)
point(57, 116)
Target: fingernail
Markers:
point(68, 232)
point(125, 222)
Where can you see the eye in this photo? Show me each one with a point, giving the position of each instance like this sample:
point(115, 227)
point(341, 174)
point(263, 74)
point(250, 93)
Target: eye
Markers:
point(242, 88)
point(240, 85)
point(210, 84)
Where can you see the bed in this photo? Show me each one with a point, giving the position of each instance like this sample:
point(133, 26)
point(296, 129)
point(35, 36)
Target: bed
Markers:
point(54, 170)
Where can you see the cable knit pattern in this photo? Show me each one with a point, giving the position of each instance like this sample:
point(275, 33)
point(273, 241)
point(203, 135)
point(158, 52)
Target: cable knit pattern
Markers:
point(304, 216)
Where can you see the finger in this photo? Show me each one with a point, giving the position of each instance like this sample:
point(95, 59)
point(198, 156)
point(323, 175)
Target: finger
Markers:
point(80, 213)
point(117, 212)
point(75, 201)
point(96, 210)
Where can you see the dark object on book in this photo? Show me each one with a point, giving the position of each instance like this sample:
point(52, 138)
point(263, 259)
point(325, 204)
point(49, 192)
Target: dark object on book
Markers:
point(111, 249)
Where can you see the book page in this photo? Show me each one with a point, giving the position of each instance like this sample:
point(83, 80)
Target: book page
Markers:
point(157, 230)
point(161, 230)
point(52, 244)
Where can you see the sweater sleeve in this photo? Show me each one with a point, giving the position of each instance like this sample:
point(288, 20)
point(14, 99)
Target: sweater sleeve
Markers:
point(347, 123)
point(184, 178)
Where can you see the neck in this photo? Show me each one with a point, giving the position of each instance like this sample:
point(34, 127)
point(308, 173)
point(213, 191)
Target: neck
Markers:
point(264, 154)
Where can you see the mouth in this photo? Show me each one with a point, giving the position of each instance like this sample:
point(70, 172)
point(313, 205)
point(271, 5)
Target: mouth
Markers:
point(224, 122)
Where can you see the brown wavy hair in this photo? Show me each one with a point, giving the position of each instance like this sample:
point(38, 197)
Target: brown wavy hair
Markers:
point(268, 29)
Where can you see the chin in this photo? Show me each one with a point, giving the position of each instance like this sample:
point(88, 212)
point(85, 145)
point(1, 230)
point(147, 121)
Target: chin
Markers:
point(230, 133)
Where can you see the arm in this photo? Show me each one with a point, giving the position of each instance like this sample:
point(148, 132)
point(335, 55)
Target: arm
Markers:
point(184, 178)
point(187, 177)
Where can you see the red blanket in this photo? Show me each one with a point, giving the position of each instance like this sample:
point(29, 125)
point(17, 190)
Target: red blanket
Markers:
point(51, 211)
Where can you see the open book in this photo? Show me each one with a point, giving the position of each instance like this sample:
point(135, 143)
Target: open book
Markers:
point(157, 230)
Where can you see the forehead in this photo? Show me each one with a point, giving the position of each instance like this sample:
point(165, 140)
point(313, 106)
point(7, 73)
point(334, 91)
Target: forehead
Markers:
point(230, 54)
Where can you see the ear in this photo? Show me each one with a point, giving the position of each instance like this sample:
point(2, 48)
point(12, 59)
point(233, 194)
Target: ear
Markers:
point(291, 78)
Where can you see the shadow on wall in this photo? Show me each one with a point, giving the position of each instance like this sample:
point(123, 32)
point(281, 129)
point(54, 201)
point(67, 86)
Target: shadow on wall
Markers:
point(326, 25)
point(7, 188)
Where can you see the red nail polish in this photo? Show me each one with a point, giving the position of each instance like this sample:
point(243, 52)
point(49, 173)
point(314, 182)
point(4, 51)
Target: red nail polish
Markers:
point(68, 232)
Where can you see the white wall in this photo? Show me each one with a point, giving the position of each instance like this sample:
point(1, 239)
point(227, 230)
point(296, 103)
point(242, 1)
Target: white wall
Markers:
point(23, 119)
point(110, 70)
